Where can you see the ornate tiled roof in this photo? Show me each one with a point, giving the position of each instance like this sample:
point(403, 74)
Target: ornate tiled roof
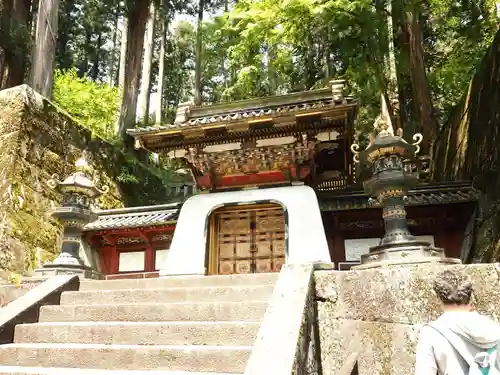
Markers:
point(189, 115)
point(240, 115)
point(135, 217)
point(423, 195)
point(148, 216)
point(317, 110)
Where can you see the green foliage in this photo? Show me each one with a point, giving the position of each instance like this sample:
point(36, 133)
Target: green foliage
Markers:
point(126, 178)
point(462, 32)
point(144, 184)
point(271, 47)
point(84, 28)
point(179, 63)
point(94, 105)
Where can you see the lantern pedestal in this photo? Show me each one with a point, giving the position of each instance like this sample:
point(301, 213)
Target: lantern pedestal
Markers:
point(50, 270)
point(411, 253)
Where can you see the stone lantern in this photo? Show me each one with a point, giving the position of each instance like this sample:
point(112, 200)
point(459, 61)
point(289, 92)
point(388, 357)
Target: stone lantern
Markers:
point(393, 172)
point(76, 210)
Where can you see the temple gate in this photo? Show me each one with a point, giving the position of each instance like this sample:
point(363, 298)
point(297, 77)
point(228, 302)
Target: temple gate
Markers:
point(248, 153)
point(247, 240)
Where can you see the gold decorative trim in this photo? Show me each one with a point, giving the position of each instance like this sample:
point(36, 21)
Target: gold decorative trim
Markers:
point(258, 121)
point(391, 193)
point(418, 139)
point(309, 114)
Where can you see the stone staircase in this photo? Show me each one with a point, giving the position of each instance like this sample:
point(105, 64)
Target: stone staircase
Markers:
point(176, 325)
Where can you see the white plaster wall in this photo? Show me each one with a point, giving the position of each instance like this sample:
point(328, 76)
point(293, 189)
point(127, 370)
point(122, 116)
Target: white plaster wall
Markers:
point(306, 235)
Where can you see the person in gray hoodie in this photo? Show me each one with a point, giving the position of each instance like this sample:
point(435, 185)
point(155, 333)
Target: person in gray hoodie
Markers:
point(446, 345)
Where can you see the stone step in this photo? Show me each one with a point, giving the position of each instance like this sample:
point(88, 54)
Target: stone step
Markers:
point(182, 281)
point(16, 370)
point(198, 294)
point(252, 311)
point(128, 357)
point(140, 333)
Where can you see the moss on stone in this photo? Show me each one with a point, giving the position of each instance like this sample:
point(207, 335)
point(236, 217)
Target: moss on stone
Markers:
point(38, 140)
point(379, 312)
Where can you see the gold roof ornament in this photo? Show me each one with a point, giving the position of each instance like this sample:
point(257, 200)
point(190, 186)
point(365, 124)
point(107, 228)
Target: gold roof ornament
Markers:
point(383, 140)
point(382, 127)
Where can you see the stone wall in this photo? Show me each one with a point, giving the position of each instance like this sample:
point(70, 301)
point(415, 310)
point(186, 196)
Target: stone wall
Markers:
point(377, 314)
point(39, 140)
point(307, 360)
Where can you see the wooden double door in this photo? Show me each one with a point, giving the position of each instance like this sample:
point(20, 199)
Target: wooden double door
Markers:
point(248, 239)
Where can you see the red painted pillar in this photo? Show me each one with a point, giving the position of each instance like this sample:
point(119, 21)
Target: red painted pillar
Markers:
point(114, 257)
point(104, 261)
point(150, 259)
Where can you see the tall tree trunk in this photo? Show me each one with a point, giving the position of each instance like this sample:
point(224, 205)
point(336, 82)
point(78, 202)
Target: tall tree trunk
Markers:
point(137, 19)
point(123, 54)
point(17, 60)
point(161, 71)
point(5, 17)
point(392, 77)
point(145, 92)
point(391, 59)
point(83, 65)
point(2, 67)
point(44, 52)
point(421, 90)
point(199, 50)
point(64, 57)
point(94, 73)
point(121, 68)
point(271, 69)
point(328, 68)
point(15, 16)
point(112, 55)
point(311, 64)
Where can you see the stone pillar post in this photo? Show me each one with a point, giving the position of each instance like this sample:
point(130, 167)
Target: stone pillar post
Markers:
point(394, 173)
point(79, 194)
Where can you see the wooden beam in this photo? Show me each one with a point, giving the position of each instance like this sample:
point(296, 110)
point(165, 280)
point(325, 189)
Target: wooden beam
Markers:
point(110, 239)
point(130, 232)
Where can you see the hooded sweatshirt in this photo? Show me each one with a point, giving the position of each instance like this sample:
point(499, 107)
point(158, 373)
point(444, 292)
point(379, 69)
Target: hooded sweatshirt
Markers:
point(436, 356)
